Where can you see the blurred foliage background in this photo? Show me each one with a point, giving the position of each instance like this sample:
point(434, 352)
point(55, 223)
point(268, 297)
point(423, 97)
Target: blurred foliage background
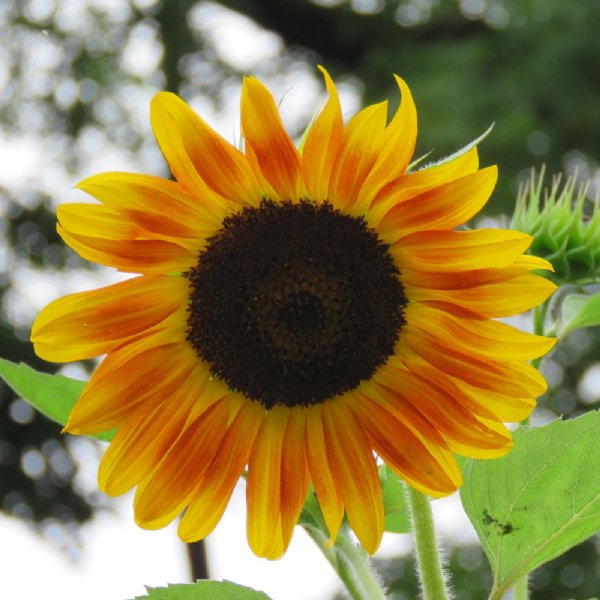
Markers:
point(76, 77)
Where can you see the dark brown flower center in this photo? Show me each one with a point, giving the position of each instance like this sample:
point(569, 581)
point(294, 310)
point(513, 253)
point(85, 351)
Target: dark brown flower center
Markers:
point(293, 304)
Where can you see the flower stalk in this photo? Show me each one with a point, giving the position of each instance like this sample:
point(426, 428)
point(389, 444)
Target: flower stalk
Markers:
point(429, 565)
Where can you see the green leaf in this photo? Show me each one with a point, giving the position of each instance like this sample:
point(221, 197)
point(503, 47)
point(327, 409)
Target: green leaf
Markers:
point(394, 501)
point(538, 501)
point(578, 311)
point(204, 590)
point(53, 395)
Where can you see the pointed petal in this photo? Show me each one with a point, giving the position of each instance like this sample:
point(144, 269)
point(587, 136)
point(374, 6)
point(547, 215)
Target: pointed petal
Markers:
point(222, 166)
point(513, 378)
point(403, 450)
point(353, 466)
point(131, 256)
point(471, 279)
point(275, 151)
point(444, 207)
point(208, 505)
point(451, 251)
point(147, 436)
point(164, 494)
point(294, 473)
point(156, 205)
point(128, 378)
point(79, 326)
point(462, 431)
point(321, 473)
point(96, 220)
point(322, 145)
point(397, 150)
point(263, 487)
point(172, 141)
point(362, 142)
point(481, 337)
point(501, 299)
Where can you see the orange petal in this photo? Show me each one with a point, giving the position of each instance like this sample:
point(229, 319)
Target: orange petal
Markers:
point(222, 166)
point(157, 205)
point(87, 324)
point(463, 432)
point(164, 494)
point(132, 256)
point(172, 139)
point(207, 507)
point(353, 466)
point(404, 451)
point(322, 145)
point(512, 378)
point(469, 279)
point(324, 481)
point(98, 221)
point(397, 150)
point(501, 299)
point(294, 473)
point(444, 207)
point(481, 337)
point(451, 251)
point(263, 487)
point(362, 142)
point(147, 436)
point(128, 378)
point(488, 405)
point(275, 152)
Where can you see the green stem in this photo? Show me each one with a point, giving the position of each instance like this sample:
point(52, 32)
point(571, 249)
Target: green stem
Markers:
point(521, 588)
point(429, 564)
point(351, 563)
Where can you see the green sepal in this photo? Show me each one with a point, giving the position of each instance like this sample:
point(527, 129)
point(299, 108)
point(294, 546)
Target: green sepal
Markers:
point(538, 501)
point(52, 395)
point(203, 590)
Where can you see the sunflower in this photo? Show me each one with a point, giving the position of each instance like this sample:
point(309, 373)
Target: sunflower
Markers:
point(295, 312)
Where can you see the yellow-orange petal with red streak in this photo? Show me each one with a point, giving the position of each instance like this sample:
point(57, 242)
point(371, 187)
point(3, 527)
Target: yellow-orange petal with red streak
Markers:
point(450, 418)
point(469, 279)
point(211, 499)
point(322, 145)
point(167, 490)
point(396, 152)
point(501, 299)
point(353, 466)
point(157, 205)
point(404, 451)
point(322, 476)
point(170, 138)
point(87, 324)
point(128, 378)
point(263, 486)
point(488, 405)
point(513, 378)
point(131, 256)
point(444, 207)
point(275, 151)
point(452, 251)
point(490, 339)
point(98, 221)
point(412, 184)
point(222, 166)
point(362, 141)
point(294, 472)
point(147, 436)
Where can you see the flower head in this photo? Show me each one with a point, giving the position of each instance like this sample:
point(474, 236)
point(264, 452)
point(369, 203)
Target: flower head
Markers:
point(295, 314)
point(563, 232)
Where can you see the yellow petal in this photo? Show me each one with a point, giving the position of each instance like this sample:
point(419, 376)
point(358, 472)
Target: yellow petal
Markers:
point(275, 152)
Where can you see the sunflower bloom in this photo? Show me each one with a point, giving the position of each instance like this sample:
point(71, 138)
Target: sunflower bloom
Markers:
point(295, 313)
